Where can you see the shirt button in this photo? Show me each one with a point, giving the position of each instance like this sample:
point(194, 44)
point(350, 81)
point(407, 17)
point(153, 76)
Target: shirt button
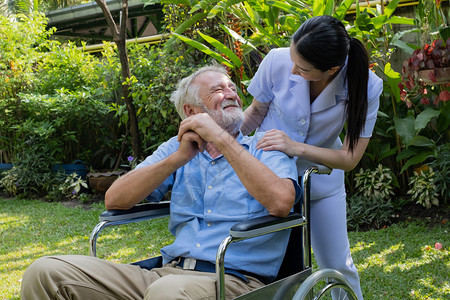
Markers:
point(301, 133)
point(213, 163)
point(197, 245)
point(209, 187)
point(209, 211)
point(302, 121)
point(208, 224)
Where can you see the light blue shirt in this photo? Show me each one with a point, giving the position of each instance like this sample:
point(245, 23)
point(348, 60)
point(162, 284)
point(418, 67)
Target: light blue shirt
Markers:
point(319, 123)
point(208, 199)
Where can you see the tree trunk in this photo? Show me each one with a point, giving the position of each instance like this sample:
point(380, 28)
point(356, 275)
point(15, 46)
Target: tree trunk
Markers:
point(119, 36)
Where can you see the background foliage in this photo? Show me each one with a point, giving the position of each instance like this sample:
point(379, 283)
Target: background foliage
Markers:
point(60, 104)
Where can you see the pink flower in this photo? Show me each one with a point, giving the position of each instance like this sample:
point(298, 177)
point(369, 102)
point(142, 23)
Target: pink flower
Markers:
point(438, 246)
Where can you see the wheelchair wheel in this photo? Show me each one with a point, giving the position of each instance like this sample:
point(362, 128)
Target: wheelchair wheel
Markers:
point(323, 284)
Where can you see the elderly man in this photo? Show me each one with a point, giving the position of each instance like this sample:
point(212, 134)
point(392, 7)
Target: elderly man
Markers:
point(217, 177)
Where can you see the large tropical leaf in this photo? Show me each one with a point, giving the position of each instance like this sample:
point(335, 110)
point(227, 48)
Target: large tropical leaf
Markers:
point(238, 37)
point(425, 117)
point(184, 26)
point(393, 79)
point(205, 49)
point(223, 49)
point(342, 9)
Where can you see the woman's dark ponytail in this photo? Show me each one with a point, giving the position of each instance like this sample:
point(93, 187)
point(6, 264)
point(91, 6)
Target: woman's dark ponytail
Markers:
point(324, 42)
point(357, 78)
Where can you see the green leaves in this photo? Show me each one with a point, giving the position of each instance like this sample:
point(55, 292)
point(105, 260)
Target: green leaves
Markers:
point(205, 49)
point(418, 147)
point(409, 127)
point(342, 9)
point(323, 7)
point(393, 79)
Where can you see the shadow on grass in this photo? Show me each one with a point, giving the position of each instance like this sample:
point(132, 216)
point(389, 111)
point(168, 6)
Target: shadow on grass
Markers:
point(401, 262)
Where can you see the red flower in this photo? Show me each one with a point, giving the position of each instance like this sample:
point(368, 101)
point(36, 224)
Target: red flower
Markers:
point(425, 101)
point(444, 95)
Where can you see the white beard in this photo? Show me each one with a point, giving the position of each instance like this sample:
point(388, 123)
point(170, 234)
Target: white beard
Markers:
point(230, 121)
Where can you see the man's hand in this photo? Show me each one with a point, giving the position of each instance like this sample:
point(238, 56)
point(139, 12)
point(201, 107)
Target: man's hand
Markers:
point(190, 144)
point(203, 125)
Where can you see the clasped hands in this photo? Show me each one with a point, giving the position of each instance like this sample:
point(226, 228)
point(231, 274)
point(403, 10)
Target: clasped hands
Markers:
point(195, 133)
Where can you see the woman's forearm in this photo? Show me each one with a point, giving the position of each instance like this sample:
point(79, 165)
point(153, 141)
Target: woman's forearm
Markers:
point(333, 158)
point(254, 115)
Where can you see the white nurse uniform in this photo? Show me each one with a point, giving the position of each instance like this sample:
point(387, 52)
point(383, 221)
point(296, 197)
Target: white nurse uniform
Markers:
point(318, 124)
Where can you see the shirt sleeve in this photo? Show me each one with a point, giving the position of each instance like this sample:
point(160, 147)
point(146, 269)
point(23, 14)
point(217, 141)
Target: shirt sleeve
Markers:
point(163, 151)
point(374, 90)
point(281, 164)
point(261, 85)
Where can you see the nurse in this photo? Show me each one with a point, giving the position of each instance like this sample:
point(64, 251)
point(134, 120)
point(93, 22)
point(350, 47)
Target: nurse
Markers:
point(303, 96)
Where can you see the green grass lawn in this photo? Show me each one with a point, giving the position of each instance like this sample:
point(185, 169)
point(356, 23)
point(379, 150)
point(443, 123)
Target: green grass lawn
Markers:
point(399, 262)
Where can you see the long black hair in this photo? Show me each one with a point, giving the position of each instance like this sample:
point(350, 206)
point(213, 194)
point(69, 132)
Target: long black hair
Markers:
point(324, 43)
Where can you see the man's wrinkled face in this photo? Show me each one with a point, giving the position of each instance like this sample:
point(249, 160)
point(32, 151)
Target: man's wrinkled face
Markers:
point(220, 100)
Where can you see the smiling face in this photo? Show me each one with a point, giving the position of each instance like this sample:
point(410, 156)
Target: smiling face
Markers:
point(303, 68)
point(220, 100)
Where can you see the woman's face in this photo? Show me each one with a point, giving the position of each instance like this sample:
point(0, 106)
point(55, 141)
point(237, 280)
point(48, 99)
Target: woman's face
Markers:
point(303, 68)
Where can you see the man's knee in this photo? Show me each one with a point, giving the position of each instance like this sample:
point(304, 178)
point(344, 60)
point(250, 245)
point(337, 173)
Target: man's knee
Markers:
point(39, 278)
point(42, 267)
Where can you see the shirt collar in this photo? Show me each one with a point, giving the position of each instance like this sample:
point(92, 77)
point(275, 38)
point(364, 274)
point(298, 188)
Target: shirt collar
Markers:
point(241, 139)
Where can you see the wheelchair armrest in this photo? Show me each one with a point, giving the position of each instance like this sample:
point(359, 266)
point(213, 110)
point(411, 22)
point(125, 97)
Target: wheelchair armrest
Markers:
point(138, 213)
point(264, 225)
point(144, 210)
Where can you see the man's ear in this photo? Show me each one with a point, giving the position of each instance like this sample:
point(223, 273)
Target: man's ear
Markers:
point(189, 109)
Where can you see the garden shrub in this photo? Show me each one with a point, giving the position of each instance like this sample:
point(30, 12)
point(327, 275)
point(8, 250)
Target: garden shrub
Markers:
point(378, 183)
point(368, 212)
point(423, 189)
point(441, 167)
point(21, 43)
point(80, 121)
point(64, 66)
point(370, 204)
point(32, 171)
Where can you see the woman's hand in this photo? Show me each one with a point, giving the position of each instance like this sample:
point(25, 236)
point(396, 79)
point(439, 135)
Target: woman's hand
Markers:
point(277, 140)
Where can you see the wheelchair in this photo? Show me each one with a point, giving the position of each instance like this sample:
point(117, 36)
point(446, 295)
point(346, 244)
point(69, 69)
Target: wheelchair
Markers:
point(295, 279)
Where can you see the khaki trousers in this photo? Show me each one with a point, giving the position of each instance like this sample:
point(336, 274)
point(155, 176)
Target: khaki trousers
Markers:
point(84, 278)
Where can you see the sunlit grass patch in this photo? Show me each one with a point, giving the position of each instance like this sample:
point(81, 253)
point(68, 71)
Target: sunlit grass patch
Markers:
point(399, 262)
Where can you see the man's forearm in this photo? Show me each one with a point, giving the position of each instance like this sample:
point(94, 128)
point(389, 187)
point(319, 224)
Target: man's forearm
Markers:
point(275, 193)
point(133, 187)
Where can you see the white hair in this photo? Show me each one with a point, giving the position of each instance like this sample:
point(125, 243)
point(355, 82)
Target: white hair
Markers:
point(187, 91)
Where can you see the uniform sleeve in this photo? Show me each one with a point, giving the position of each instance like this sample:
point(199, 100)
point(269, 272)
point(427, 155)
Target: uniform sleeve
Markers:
point(374, 89)
point(163, 151)
point(261, 85)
